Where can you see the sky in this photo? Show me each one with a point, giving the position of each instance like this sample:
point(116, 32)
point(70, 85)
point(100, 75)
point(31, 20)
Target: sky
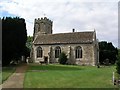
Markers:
point(82, 15)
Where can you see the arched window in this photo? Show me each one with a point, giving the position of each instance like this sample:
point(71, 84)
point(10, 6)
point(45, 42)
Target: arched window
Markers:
point(39, 52)
point(57, 52)
point(78, 52)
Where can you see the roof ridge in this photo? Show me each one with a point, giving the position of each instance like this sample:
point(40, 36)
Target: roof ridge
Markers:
point(74, 32)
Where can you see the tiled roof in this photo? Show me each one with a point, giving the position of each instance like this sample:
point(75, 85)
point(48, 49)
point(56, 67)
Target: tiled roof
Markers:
point(64, 38)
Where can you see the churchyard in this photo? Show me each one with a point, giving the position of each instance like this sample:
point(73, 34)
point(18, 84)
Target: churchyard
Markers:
point(65, 76)
point(68, 76)
point(6, 72)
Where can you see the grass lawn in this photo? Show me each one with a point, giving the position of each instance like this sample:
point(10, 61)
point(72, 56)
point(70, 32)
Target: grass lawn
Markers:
point(0, 75)
point(68, 76)
point(6, 72)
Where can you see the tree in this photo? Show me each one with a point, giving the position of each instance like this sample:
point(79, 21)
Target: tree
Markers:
point(118, 63)
point(107, 52)
point(14, 36)
point(29, 42)
point(28, 46)
point(62, 58)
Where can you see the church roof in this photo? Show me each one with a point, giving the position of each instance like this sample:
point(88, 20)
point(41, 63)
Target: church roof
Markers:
point(65, 38)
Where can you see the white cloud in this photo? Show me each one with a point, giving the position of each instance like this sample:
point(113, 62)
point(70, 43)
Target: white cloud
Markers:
point(67, 14)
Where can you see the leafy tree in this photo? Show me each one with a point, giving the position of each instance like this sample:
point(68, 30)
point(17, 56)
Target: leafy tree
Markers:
point(14, 36)
point(28, 46)
point(107, 52)
point(62, 58)
point(118, 63)
point(29, 42)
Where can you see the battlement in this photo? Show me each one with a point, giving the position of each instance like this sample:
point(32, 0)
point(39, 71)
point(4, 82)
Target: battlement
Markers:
point(42, 26)
point(43, 20)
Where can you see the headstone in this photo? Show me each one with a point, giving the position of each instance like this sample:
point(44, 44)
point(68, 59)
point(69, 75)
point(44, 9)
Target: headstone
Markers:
point(23, 58)
point(27, 60)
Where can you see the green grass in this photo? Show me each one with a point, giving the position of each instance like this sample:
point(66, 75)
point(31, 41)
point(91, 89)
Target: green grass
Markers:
point(0, 76)
point(6, 72)
point(68, 76)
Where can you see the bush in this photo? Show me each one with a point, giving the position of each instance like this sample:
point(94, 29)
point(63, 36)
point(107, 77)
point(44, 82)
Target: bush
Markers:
point(118, 67)
point(62, 58)
point(118, 64)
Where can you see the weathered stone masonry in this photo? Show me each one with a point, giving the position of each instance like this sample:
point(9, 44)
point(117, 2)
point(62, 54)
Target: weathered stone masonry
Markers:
point(87, 54)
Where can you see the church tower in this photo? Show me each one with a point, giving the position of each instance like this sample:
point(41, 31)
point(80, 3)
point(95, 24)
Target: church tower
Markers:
point(42, 26)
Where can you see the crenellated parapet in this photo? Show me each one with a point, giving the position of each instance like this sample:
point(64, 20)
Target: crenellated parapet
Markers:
point(42, 26)
point(43, 20)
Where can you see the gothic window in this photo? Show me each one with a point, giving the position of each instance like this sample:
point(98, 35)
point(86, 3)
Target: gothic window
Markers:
point(39, 52)
point(57, 52)
point(78, 52)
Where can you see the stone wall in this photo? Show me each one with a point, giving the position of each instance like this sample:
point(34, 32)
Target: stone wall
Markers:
point(88, 53)
point(42, 26)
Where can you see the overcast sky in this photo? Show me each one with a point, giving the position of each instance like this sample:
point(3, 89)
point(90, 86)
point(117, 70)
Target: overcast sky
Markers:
point(83, 15)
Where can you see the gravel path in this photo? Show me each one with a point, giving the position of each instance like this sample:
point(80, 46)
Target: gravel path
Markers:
point(16, 79)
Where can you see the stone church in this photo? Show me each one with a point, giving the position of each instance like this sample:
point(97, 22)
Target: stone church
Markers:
point(80, 47)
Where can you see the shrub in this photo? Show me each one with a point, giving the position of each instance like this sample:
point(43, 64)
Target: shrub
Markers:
point(62, 58)
point(118, 64)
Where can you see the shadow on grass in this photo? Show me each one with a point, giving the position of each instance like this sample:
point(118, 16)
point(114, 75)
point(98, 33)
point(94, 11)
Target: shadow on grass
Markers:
point(54, 67)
